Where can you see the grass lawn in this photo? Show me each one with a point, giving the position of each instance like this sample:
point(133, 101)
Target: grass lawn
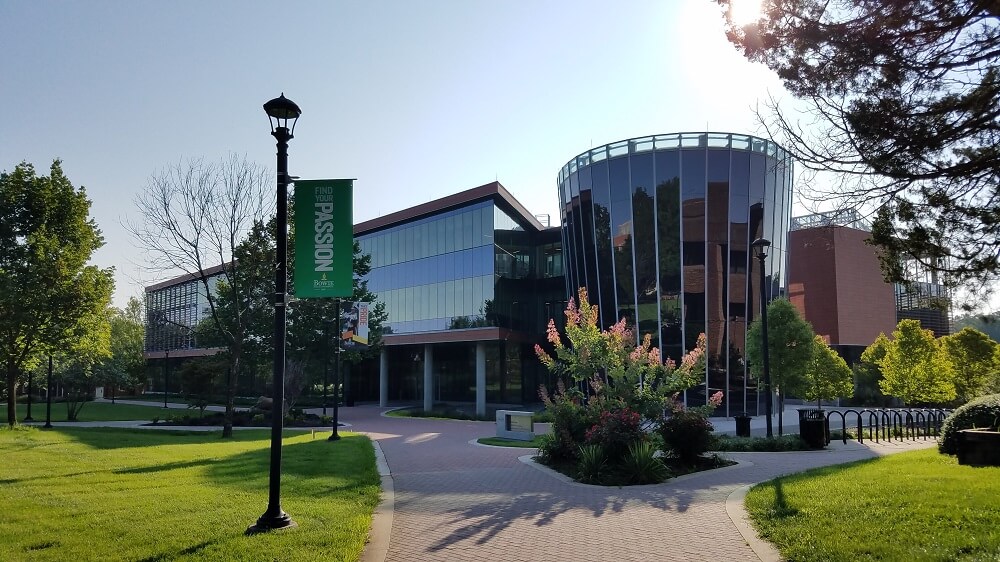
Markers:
point(92, 411)
point(145, 495)
point(503, 442)
point(919, 505)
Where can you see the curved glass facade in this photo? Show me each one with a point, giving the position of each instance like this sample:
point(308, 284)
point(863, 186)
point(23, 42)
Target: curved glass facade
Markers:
point(659, 229)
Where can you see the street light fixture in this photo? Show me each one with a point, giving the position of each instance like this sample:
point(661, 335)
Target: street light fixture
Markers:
point(279, 111)
point(760, 247)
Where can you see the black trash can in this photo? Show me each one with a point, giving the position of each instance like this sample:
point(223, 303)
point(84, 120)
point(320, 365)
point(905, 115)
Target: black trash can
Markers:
point(814, 428)
point(743, 425)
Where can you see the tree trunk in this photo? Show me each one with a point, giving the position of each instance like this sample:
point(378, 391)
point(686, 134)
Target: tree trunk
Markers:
point(11, 393)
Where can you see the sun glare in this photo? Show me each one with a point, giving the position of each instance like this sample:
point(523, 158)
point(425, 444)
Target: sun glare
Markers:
point(743, 12)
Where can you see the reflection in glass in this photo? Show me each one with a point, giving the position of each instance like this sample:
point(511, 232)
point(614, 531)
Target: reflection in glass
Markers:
point(644, 247)
point(669, 251)
point(621, 238)
point(673, 217)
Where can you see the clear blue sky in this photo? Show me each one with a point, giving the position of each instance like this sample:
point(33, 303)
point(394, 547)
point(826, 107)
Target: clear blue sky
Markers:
point(417, 100)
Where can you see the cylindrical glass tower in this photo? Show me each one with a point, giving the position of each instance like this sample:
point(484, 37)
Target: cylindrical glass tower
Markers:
point(659, 229)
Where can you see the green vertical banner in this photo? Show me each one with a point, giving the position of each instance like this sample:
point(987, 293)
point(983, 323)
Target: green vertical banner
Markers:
point(324, 238)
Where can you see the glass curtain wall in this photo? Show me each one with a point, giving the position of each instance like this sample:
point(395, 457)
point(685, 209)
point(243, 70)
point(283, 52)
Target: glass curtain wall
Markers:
point(171, 313)
point(470, 267)
point(666, 244)
point(435, 273)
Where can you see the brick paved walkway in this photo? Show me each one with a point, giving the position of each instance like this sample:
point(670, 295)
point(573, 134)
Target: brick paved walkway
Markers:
point(456, 501)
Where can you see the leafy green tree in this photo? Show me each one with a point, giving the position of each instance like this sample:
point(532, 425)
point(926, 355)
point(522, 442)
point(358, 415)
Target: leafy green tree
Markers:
point(868, 374)
point(789, 344)
point(125, 366)
point(46, 286)
point(89, 345)
point(988, 324)
point(915, 367)
point(828, 377)
point(973, 357)
point(993, 385)
point(901, 103)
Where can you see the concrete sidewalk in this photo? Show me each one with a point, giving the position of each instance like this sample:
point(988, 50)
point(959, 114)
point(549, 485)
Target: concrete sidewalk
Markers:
point(456, 501)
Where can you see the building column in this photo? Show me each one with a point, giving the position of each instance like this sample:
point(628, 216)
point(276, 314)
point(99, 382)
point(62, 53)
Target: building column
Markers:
point(428, 378)
point(383, 378)
point(481, 379)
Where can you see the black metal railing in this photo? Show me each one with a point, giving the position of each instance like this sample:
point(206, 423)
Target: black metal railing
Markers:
point(886, 424)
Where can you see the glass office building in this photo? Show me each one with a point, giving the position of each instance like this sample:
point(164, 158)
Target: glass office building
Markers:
point(659, 229)
point(469, 282)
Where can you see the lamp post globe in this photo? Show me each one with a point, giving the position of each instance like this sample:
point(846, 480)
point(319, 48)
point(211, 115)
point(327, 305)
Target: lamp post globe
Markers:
point(283, 114)
point(760, 247)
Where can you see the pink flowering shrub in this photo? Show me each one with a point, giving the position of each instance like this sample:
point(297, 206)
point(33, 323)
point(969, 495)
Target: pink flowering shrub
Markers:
point(618, 370)
point(626, 382)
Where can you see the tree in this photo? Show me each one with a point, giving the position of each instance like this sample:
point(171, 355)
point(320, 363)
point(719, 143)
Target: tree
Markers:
point(868, 374)
point(125, 365)
point(915, 368)
point(789, 344)
point(902, 103)
point(89, 344)
point(827, 377)
point(46, 286)
point(988, 324)
point(200, 377)
point(972, 355)
point(193, 216)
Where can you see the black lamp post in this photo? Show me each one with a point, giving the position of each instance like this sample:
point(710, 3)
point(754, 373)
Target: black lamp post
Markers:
point(336, 375)
point(279, 111)
point(760, 247)
point(48, 397)
point(27, 416)
point(326, 358)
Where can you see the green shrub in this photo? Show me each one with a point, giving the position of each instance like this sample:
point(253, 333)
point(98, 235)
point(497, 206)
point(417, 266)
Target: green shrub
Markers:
point(759, 444)
point(542, 417)
point(686, 433)
point(258, 418)
point(615, 432)
point(641, 466)
point(592, 463)
point(570, 422)
point(546, 445)
point(981, 412)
